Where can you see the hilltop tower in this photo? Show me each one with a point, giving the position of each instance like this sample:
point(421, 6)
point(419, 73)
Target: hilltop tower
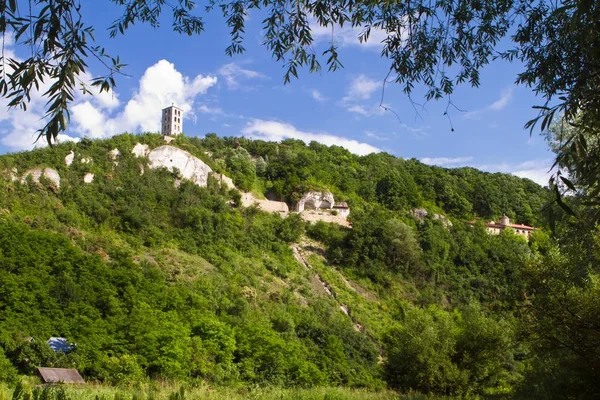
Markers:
point(172, 121)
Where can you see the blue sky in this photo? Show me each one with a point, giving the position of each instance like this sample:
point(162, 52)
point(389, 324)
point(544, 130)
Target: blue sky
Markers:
point(245, 95)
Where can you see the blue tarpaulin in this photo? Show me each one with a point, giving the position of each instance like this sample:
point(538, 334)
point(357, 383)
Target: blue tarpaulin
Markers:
point(59, 344)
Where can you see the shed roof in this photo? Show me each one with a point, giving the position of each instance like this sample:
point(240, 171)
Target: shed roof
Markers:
point(341, 204)
point(55, 375)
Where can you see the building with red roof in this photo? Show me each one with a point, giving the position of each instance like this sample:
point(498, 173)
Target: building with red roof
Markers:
point(497, 227)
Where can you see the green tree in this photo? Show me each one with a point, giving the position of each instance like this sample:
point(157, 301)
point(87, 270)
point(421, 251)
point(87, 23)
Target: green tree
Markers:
point(161, 340)
point(398, 191)
point(243, 170)
point(403, 252)
point(459, 353)
point(291, 229)
point(420, 353)
point(561, 319)
point(8, 373)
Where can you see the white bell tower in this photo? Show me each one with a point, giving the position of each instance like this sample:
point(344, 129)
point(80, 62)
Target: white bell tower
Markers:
point(172, 121)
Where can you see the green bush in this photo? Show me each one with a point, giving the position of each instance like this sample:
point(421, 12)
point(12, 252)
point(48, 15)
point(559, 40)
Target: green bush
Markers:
point(434, 351)
point(8, 373)
point(121, 370)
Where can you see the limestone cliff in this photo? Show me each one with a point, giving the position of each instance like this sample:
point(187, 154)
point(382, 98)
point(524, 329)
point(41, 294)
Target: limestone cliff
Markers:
point(190, 167)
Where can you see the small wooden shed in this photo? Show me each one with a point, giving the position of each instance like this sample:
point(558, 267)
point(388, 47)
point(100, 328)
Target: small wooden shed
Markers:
point(60, 375)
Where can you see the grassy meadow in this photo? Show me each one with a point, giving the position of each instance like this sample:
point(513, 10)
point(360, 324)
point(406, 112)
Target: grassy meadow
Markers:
point(31, 389)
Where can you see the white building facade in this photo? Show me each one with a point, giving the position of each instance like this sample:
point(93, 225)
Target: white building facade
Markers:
point(172, 121)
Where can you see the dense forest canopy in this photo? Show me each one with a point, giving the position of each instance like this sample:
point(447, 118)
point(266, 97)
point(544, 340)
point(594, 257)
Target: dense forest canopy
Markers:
point(155, 280)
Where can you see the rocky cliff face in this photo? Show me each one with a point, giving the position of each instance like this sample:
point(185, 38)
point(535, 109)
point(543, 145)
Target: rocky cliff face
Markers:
point(190, 167)
point(315, 200)
point(36, 174)
point(225, 180)
point(140, 150)
point(10, 174)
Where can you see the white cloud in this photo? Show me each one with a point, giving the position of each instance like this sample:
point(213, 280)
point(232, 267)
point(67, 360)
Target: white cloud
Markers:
point(317, 95)
point(538, 170)
point(377, 109)
point(446, 161)
point(359, 110)
point(502, 102)
point(233, 73)
point(210, 110)
point(497, 105)
point(361, 88)
point(160, 86)
point(19, 129)
point(93, 116)
point(539, 175)
point(66, 138)
point(378, 135)
point(105, 100)
point(89, 119)
point(108, 100)
point(415, 130)
point(277, 131)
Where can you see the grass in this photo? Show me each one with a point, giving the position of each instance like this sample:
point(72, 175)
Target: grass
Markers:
point(368, 312)
point(159, 391)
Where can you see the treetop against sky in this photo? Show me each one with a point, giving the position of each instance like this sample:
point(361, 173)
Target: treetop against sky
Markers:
point(243, 93)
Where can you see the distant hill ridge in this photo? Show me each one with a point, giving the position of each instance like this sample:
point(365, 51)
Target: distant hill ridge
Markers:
point(402, 183)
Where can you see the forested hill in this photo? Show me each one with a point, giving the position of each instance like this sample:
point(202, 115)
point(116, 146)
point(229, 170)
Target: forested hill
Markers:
point(155, 277)
point(393, 183)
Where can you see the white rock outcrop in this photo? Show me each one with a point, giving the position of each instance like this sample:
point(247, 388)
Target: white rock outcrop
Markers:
point(190, 167)
point(224, 179)
point(420, 214)
point(114, 153)
point(88, 178)
point(69, 158)
point(36, 173)
point(314, 201)
point(445, 221)
point(10, 174)
point(140, 150)
point(86, 160)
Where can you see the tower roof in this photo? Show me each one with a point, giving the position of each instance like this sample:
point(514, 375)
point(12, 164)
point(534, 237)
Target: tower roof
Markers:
point(173, 106)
